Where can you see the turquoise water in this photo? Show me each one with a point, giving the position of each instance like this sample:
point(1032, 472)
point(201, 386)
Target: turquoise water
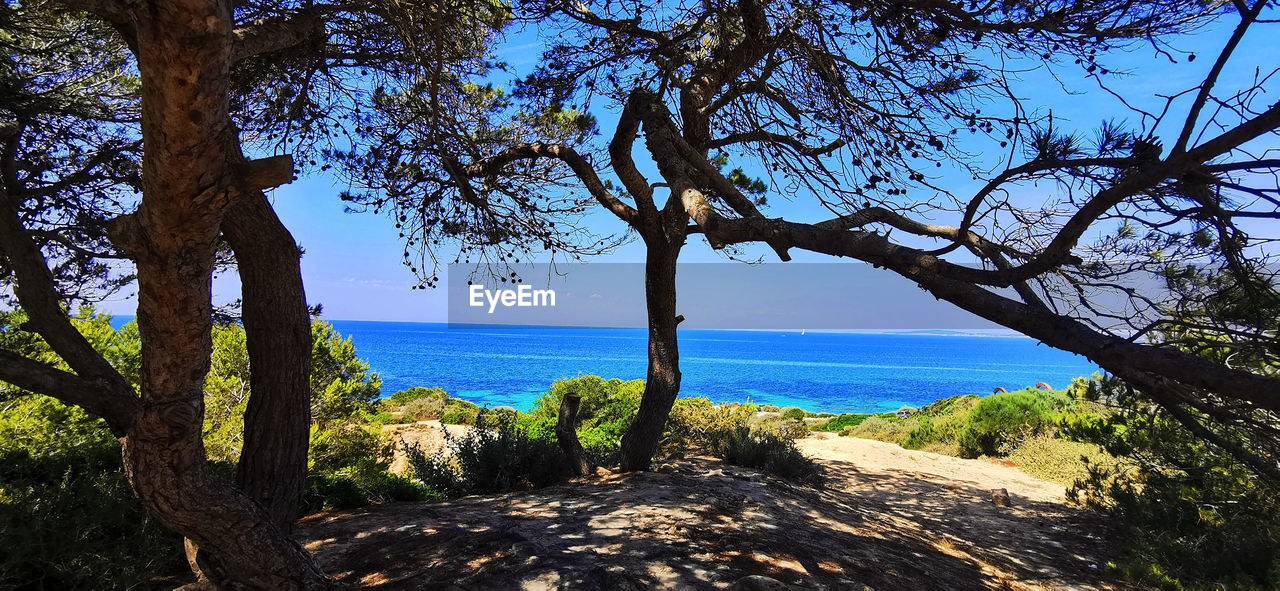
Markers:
point(821, 372)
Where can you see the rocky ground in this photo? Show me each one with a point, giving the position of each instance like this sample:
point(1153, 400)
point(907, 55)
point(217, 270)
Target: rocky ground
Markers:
point(887, 519)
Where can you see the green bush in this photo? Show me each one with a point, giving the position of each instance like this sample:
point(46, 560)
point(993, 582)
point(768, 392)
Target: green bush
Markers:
point(999, 422)
point(768, 453)
point(1059, 460)
point(496, 456)
point(1189, 515)
point(938, 432)
point(68, 519)
point(792, 412)
point(695, 423)
point(339, 447)
point(838, 424)
point(404, 397)
point(769, 408)
point(606, 406)
point(781, 427)
point(459, 416)
point(954, 405)
point(882, 429)
point(359, 488)
point(425, 408)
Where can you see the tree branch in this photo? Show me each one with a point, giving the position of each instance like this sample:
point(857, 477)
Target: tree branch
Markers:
point(1114, 354)
point(579, 165)
point(116, 400)
point(275, 35)
point(69, 388)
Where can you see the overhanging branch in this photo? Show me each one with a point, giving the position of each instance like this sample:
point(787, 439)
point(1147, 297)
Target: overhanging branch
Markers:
point(95, 397)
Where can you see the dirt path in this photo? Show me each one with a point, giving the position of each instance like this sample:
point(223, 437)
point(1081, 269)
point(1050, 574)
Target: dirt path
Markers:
point(869, 458)
point(888, 519)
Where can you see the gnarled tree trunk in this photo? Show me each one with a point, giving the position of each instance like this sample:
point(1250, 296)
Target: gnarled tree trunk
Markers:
point(273, 461)
point(190, 179)
point(567, 434)
point(662, 385)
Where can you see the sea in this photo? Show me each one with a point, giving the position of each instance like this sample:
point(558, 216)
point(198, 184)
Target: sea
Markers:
point(817, 371)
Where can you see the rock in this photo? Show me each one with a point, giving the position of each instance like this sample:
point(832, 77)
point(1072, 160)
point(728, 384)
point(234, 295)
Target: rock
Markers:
point(758, 583)
point(1000, 497)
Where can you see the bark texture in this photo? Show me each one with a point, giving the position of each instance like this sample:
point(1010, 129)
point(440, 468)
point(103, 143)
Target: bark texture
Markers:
point(567, 434)
point(190, 180)
point(662, 383)
point(273, 461)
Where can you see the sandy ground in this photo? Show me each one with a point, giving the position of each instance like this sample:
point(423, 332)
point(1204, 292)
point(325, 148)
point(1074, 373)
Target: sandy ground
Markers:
point(429, 436)
point(868, 457)
point(887, 519)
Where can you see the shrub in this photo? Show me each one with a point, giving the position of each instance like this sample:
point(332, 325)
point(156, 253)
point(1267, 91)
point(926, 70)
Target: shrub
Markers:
point(792, 412)
point(601, 447)
point(768, 453)
point(954, 405)
point(695, 423)
point(68, 519)
point(1059, 460)
point(424, 408)
point(781, 427)
point(459, 416)
point(606, 406)
point(359, 488)
point(882, 429)
point(998, 422)
point(459, 412)
point(339, 447)
point(496, 456)
point(769, 408)
point(1189, 515)
point(839, 423)
point(938, 432)
point(404, 397)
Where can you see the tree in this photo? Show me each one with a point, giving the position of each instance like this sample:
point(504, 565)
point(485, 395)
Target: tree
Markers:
point(846, 103)
point(1174, 236)
point(137, 155)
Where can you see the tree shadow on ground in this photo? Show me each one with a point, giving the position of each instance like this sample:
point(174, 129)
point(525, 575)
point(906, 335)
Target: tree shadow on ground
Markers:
point(701, 524)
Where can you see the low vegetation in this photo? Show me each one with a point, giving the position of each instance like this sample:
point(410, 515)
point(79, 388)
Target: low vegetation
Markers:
point(65, 507)
point(772, 454)
point(497, 456)
point(428, 404)
point(68, 519)
point(513, 451)
point(1191, 516)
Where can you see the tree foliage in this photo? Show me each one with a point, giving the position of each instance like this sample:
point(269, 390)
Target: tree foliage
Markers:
point(1193, 516)
point(1129, 247)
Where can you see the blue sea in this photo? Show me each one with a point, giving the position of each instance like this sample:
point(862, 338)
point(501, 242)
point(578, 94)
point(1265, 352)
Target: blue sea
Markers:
point(818, 371)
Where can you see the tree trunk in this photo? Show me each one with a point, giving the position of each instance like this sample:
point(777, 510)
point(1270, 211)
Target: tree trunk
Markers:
point(640, 442)
point(189, 181)
point(273, 461)
point(567, 434)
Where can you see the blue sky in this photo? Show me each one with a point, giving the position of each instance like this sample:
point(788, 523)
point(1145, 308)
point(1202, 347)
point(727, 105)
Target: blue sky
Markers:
point(353, 264)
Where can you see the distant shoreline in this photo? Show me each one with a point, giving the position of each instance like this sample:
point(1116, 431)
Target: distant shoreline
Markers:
point(975, 332)
point(939, 332)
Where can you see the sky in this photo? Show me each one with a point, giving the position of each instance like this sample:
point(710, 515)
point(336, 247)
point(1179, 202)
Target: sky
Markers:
point(353, 266)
